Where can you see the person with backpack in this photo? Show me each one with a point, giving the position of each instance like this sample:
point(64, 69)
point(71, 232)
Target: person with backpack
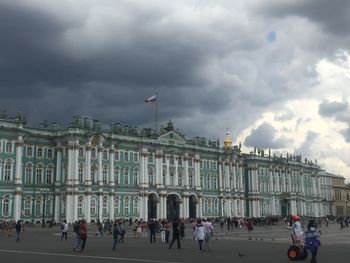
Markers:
point(312, 241)
point(199, 234)
point(64, 230)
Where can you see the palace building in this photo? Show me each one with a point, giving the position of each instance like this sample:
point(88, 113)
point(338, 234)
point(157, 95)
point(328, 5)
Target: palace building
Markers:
point(95, 172)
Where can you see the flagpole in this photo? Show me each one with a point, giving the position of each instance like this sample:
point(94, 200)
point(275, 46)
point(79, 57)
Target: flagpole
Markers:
point(156, 112)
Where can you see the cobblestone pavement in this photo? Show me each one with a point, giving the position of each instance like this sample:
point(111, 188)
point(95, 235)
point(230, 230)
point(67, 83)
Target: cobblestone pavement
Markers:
point(267, 245)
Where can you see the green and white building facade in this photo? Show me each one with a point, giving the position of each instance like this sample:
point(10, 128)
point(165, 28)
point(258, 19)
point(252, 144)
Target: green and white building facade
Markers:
point(90, 171)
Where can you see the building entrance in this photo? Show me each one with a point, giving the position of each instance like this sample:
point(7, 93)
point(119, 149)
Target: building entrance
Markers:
point(173, 207)
point(193, 206)
point(152, 206)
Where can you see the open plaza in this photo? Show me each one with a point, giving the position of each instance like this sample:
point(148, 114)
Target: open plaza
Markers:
point(267, 245)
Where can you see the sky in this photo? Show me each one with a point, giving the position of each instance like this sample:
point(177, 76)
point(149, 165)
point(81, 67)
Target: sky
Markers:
point(274, 73)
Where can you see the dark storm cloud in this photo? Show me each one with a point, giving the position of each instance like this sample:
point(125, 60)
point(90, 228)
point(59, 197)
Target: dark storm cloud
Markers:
point(332, 108)
point(332, 16)
point(264, 137)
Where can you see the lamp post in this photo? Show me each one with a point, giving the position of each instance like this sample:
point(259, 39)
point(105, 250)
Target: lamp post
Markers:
point(44, 191)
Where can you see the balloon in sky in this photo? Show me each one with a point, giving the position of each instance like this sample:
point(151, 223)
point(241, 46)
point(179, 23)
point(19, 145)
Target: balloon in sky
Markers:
point(271, 37)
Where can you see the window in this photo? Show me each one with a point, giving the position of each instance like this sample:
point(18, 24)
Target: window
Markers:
point(208, 182)
point(93, 206)
point(39, 174)
point(49, 153)
point(116, 206)
point(6, 206)
point(94, 173)
point(27, 206)
point(135, 157)
point(28, 174)
point(93, 153)
point(131, 157)
point(9, 147)
point(135, 206)
point(171, 160)
point(105, 155)
point(190, 179)
point(48, 207)
point(81, 152)
point(210, 206)
point(150, 158)
point(104, 175)
point(81, 174)
point(126, 176)
point(126, 156)
point(179, 161)
point(38, 206)
point(164, 174)
point(49, 175)
point(116, 175)
point(40, 153)
point(8, 172)
point(171, 178)
point(116, 155)
point(163, 160)
point(80, 206)
point(105, 205)
point(179, 178)
point(190, 162)
point(151, 177)
point(126, 205)
point(136, 176)
point(29, 151)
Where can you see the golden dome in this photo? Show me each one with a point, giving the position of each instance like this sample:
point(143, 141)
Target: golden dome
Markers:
point(228, 140)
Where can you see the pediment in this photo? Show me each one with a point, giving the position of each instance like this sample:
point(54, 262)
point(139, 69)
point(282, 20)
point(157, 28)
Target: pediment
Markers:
point(172, 137)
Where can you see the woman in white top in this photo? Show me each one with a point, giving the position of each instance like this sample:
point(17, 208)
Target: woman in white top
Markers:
point(199, 234)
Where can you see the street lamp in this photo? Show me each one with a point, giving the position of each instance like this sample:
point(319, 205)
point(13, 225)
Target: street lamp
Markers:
point(44, 191)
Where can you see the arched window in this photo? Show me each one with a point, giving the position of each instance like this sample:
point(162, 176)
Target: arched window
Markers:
point(126, 205)
point(93, 153)
point(116, 206)
point(126, 176)
point(38, 209)
point(171, 177)
point(6, 206)
point(209, 206)
point(208, 182)
point(49, 154)
point(116, 155)
point(80, 206)
point(190, 178)
point(179, 178)
point(93, 206)
point(216, 206)
point(126, 156)
point(81, 173)
point(49, 175)
point(171, 160)
point(40, 153)
point(135, 157)
point(105, 174)
point(135, 206)
point(9, 147)
point(27, 206)
point(81, 152)
point(29, 151)
point(151, 177)
point(94, 173)
point(8, 171)
point(39, 174)
point(105, 205)
point(136, 176)
point(105, 155)
point(116, 175)
point(48, 204)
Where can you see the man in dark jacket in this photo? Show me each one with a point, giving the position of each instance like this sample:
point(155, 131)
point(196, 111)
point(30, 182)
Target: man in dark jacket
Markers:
point(176, 234)
point(18, 228)
point(152, 230)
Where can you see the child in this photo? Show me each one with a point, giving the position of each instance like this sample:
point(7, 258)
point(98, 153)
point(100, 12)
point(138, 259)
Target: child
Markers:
point(311, 240)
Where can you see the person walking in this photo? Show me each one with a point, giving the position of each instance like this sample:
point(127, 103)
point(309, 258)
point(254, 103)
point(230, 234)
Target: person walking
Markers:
point(116, 233)
point(176, 234)
point(312, 241)
point(182, 229)
point(199, 234)
point(152, 230)
point(78, 240)
point(209, 233)
point(83, 230)
point(64, 230)
point(18, 228)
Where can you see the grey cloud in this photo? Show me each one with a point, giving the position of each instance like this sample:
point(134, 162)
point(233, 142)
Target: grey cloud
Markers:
point(332, 108)
point(305, 147)
point(285, 116)
point(264, 137)
point(346, 134)
point(332, 16)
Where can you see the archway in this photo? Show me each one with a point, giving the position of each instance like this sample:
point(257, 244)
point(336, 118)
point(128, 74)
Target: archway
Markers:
point(192, 206)
point(173, 207)
point(152, 206)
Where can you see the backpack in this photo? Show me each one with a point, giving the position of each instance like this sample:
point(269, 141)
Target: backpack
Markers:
point(62, 226)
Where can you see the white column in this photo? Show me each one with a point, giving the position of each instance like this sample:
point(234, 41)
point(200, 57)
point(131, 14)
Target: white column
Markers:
point(158, 163)
point(199, 206)
point(75, 208)
point(289, 182)
point(111, 167)
point(159, 207)
point(293, 207)
point(234, 174)
point(58, 166)
point(99, 156)
point(111, 207)
point(57, 208)
point(234, 210)
point(176, 176)
point(164, 207)
point(145, 208)
point(242, 208)
point(167, 177)
point(19, 156)
point(141, 206)
point(88, 167)
point(145, 168)
point(100, 206)
point(220, 175)
point(241, 176)
point(197, 171)
point(187, 182)
point(227, 175)
point(87, 208)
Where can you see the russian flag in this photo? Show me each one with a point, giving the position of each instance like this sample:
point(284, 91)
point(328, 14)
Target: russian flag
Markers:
point(151, 100)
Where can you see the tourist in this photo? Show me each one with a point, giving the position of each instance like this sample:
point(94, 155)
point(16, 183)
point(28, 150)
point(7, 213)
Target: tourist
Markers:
point(199, 234)
point(116, 233)
point(64, 230)
point(312, 241)
point(176, 234)
point(18, 228)
point(83, 234)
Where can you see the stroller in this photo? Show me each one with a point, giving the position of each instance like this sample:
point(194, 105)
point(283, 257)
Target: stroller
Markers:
point(297, 252)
